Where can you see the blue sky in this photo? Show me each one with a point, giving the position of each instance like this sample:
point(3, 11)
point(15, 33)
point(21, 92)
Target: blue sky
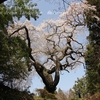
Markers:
point(47, 9)
point(67, 80)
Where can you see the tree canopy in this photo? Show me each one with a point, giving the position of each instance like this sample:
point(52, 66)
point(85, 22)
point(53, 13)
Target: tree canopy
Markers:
point(80, 88)
point(14, 59)
point(92, 57)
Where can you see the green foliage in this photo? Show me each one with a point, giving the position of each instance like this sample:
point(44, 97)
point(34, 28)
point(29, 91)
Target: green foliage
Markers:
point(16, 9)
point(7, 93)
point(14, 56)
point(80, 87)
point(5, 18)
point(93, 68)
point(20, 8)
point(92, 55)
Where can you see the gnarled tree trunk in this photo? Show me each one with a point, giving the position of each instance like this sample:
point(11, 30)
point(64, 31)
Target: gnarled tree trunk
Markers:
point(46, 75)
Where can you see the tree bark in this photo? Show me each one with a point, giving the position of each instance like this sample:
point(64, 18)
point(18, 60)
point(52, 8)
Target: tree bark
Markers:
point(50, 84)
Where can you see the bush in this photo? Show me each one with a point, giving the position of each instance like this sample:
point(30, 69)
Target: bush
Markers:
point(46, 95)
point(7, 93)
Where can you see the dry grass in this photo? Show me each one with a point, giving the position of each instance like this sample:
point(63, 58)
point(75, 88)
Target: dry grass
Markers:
point(93, 97)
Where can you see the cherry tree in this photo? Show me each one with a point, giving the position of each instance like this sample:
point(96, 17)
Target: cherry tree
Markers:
point(53, 44)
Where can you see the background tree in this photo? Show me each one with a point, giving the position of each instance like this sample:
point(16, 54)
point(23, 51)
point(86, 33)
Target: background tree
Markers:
point(80, 88)
point(92, 57)
point(14, 60)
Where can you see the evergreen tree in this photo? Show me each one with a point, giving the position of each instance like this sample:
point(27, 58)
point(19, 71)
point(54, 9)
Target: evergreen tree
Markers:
point(80, 88)
point(92, 56)
point(14, 59)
